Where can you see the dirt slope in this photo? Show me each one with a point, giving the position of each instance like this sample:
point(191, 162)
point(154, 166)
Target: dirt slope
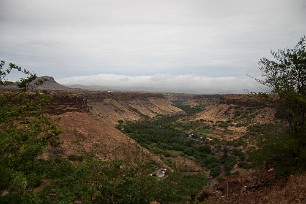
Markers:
point(88, 124)
point(83, 133)
point(261, 187)
point(112, 110)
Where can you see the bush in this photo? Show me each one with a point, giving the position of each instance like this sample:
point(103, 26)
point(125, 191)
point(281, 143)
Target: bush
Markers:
point(245, 165)
point(286, 77)
point(284, 150)
point(224, 124)
point(229, 163)
point(206, 149)
point(239, 154)
point(74, 157)
point(215, 170)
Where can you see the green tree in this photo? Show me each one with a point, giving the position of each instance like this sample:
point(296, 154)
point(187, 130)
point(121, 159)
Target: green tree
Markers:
point(286, 78)
point(23, 82)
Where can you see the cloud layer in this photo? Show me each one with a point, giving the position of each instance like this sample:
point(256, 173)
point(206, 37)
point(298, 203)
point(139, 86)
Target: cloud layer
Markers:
point(65, 38)
point(166, 83)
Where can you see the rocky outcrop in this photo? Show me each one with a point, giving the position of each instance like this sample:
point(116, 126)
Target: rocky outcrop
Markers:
point(113, 110)
point(246, 100)
point(46, 83)
point(129, 106)
point(65, 102)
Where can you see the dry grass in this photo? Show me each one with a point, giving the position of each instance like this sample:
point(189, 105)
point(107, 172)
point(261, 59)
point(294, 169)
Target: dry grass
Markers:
point(294, 191)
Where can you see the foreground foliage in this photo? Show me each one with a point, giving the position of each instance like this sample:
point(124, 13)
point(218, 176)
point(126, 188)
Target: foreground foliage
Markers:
point(23, 83)
point(286, 77)
point(25, 177)
point(24, 133)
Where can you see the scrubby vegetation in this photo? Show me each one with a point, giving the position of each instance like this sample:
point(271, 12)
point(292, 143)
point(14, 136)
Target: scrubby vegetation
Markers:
point(26, 176)
point(189, 110)
point(172, 136)
point(285, 76)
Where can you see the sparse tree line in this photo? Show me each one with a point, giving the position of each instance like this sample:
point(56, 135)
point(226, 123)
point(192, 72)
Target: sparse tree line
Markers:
point(286, 78)
point(23, 82)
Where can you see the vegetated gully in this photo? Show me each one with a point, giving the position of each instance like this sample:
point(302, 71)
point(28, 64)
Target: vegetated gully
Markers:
point(209, 137)
point(193, 142)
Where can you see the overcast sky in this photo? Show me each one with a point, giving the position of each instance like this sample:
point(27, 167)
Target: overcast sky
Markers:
point(199, 46)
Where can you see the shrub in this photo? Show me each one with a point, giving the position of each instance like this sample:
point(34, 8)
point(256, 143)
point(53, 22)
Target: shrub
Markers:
point(74, 157)
point(245, 165)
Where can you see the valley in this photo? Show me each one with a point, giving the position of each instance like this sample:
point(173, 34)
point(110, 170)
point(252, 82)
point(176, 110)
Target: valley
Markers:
point(179, 147)
point(208, 136)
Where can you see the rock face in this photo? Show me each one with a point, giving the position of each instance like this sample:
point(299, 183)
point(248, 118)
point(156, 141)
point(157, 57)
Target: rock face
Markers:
point(130, 106)
point(46, 83)
point(67, 102)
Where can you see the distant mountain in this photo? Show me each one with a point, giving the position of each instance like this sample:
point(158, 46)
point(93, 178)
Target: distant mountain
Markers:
point(46, 83)
point(40, 83)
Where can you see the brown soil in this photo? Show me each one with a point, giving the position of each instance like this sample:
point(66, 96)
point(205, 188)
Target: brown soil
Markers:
point(258, 187)
point(214, 113)
point(85, 134)
point(113, 110)
point(238, 114)
point(88, 124)
point(186, 165)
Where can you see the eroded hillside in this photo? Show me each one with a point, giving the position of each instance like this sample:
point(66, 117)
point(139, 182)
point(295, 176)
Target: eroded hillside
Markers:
point(217, 139)
point(206, 140)
point(233, 114)
point(88, 121)
point(113, 107)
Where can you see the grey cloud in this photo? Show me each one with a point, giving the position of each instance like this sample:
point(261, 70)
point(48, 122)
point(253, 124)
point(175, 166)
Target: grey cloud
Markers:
point(167, 83)
point(66, 38)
